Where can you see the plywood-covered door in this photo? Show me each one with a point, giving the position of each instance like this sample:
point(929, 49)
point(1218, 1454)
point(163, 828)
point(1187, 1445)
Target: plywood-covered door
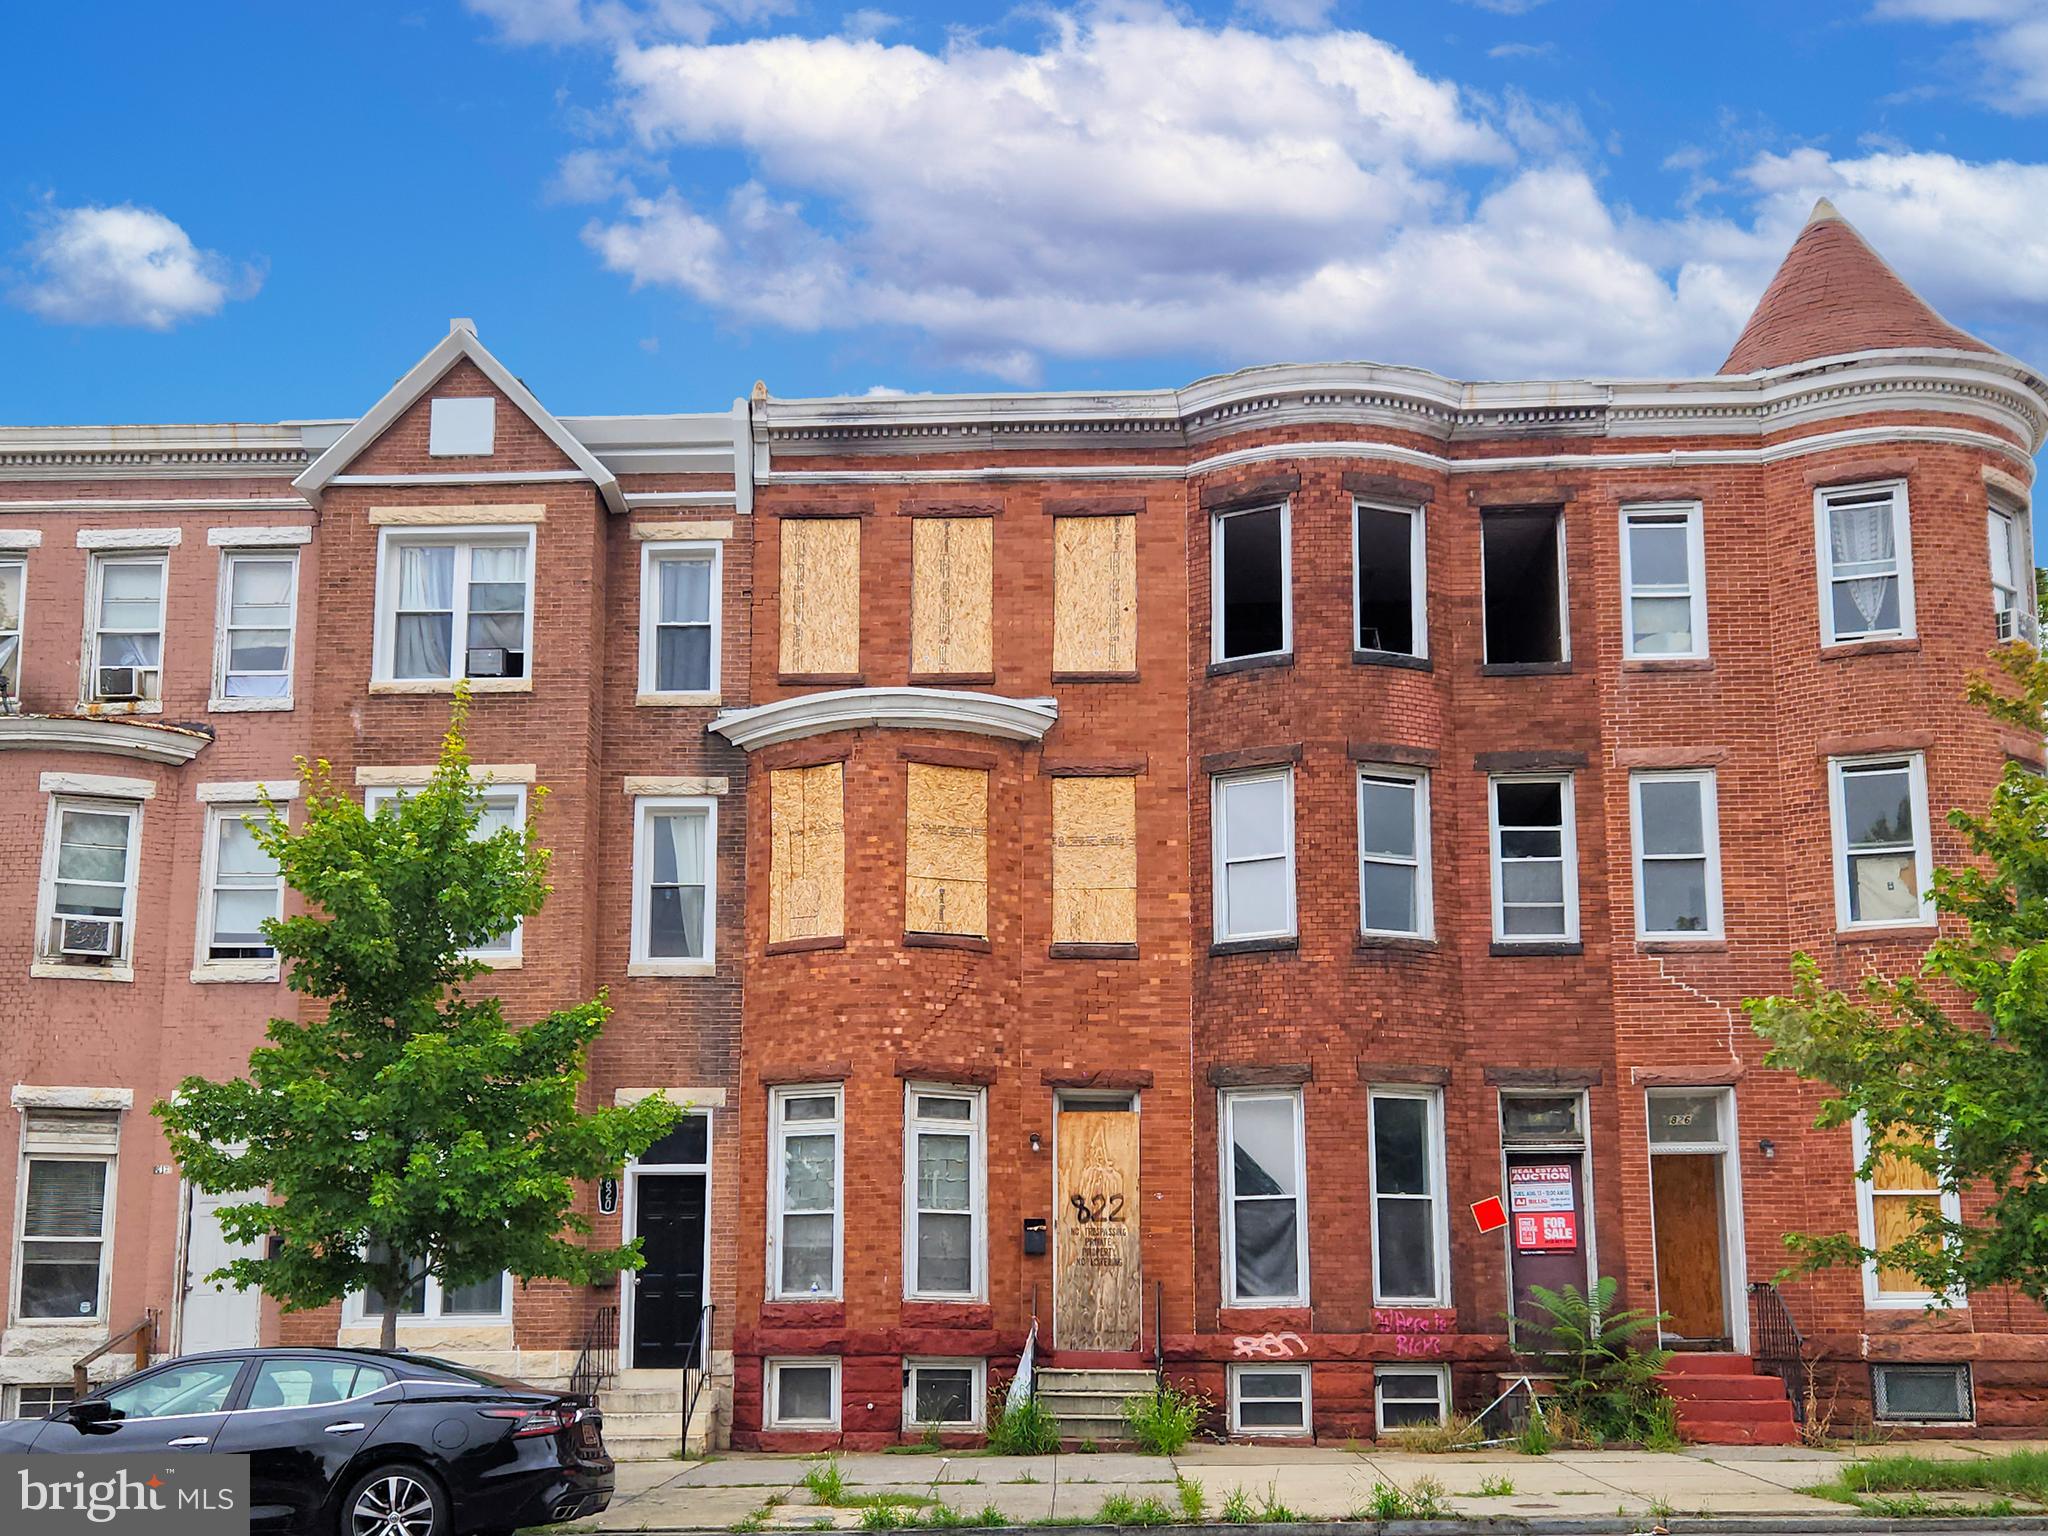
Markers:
point(1685, 1194)
point(1098, 1292)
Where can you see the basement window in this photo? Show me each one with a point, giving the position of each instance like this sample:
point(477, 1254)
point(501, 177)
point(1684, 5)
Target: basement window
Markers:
point(1410, 1398)
point(803, 1394)
point(1922, 1394)
point(1388, 550)
point(1522, 565)
point(943, 1394)
point(1248, 587)
point(1269, 1399)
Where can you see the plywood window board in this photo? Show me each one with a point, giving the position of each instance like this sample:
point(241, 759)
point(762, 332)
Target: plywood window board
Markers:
point(951, 565)
point(1095, 594)
point(1094, 861)
point(945, 864)
point(820, 595)
point(807, 860)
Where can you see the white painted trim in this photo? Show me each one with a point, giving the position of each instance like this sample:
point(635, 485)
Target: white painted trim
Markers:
point(130, 538)
point(1441, 1372)
point(13, 539)
point(1220, 855)
point(684, 499)
point(917, 709)
point(1710, 833)
point(1569, 850)
point(455, 517)
point(160, 503)
point(644, 808)
point(772, 1368)
point(1425, 880)
point(976, 1130)
point(259, 538)
point(463, 539)
point(215, 705)
point(1437, 1163)
point(402, 686)
point(1418, 572)
point(206, 967)
point(1902, 559)
point(413, 775)
point(1696, 576)
point(97, 795)
point(1916, 783)
point(469, 477)
point(1226, 1119)
point(638, 784)
point(629, 1200)
point(687, 1099)
point(702, 551)
point(977, 1391)
point(682, 532)
point(778, 1096)
point(1866, 1234)
point(30, 1096)
point(224, 597)
point(115, 738)
point(104, 785)
point(1216, 575)
point(1726, 1149)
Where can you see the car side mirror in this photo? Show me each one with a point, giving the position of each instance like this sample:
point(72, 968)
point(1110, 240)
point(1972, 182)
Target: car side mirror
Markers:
point(93, 1410)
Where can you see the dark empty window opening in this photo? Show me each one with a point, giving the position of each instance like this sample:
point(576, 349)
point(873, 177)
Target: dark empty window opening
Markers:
point(1251, 582)
point(1386, 581)
point(1524, 612)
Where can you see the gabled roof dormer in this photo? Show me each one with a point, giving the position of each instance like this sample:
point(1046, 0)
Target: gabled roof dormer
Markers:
point(462, 436)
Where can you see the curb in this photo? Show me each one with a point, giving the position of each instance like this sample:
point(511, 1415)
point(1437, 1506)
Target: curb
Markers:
point(1499, 1525)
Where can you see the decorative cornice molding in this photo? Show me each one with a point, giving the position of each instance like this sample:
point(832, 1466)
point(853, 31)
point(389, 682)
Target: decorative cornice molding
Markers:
point(113, 738)
point(855, 709)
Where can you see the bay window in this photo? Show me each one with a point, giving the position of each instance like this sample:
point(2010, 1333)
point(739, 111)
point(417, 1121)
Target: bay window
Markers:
point(1879, 810)
point(1393, 853)
point(1863, 534)
point(1663, 579)
point(944, 1237)
point(87, 898)
point(1253, 837)
point(804, 1193)
point(1410, 1231)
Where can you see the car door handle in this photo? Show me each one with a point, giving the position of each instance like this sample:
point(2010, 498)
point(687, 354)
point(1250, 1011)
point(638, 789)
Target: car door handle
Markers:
point(188, 1440)
point(343, 1429)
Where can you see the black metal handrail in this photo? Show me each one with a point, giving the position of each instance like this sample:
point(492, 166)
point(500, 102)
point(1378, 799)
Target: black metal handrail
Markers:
point(1777, 1344)
point(597, 1363)
point(700, 1351)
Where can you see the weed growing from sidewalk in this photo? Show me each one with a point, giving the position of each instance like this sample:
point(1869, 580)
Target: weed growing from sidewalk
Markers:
point(1122, 1509)
point(1164, 1420)
point(1455, 1433)
point(2017, 1474)
point(1194, 1502)
point(1660, 1509)
point(1535, 1438)
point(1237, 1508)
point(824, 1481)
point(757, 1521)
point(1023, 1477)
point(1023, 1428)
point(1272, 1511)
point(1424, 1500)
point(1497, 1488)
point(1660, 1427)
point(1085, 1448)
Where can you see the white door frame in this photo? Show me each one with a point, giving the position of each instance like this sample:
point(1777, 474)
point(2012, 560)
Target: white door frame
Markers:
point(629, 1228)
point(1734, 1258)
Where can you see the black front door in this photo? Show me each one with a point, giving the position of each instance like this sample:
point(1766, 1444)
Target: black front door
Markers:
point(668, 1294)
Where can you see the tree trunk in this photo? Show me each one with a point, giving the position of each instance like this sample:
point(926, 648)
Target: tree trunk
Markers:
point(387, 1336)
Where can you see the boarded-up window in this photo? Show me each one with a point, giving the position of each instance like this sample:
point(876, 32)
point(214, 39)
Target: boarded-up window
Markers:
point(945, 863)
point(1094, 861)
point(1095, 594)
point(807, 862)
point(1903, 1194)
point(949, 594)
point(820, 595)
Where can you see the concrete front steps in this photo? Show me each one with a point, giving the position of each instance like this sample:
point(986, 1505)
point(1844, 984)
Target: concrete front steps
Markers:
point(1089, 1402)
point(643, 1416)
point(1721, 1400)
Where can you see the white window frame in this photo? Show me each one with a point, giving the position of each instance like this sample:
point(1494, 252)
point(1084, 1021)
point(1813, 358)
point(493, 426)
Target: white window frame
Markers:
point(2012, 523)
point(1425, 901)
point(1220, 859)
point(109, 1163)
point(1564, 593)
point(778, 1131)
point(1866, 1232)
point(976, 1129)
point(204, 966)
point(1710, 832)
point(462, 538)
point(1442, 1373)
point(1569, 850)
point(645, 808)
point(433, 1296)
point(1902, 546)
point(17, 561)
point(772, 1368)
point(1227, 1101)
point(977, 1393)
point(1418, 575)
point(652, 553)
point(222, 702)
point(1302, 1372)
point(1695, 589)
point(1432, 1101)
point(1216, 522)
point(513, 956)
point(120, 966)
point(1916, 768)
point(97, 562)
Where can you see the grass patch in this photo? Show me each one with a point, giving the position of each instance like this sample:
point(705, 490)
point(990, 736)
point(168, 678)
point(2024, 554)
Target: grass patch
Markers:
point(1164, 1420)
point(1122, 1509)
point(1496, 1488)
point(824, 1481)
point(1884, 1479)
point(1238, 1508)
point(1422, 1500)
point(1025, 1428)
point(1456, 1433)
point(1193, 1500)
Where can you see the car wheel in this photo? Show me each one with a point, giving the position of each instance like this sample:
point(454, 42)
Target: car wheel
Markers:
point(400, 1500)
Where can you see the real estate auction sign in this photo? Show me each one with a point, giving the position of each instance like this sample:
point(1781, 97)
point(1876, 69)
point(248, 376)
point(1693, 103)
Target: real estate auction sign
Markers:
point(1545, 1206)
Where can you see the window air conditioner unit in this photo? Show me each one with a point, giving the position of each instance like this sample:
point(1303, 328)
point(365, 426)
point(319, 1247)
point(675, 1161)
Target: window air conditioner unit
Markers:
point(2017, 624)
point(92, 937)
point(119, 683)
point(488, 661)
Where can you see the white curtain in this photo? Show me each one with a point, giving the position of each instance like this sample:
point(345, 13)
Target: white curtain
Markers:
point(426, 603)
point(1862, 536)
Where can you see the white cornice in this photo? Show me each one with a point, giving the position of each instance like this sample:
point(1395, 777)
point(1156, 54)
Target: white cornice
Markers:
point(159, 504)
point(112, 738)
point(909, 709)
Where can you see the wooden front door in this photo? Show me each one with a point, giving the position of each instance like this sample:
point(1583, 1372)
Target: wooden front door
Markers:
point(1098, 1293)
point(1685, 1197)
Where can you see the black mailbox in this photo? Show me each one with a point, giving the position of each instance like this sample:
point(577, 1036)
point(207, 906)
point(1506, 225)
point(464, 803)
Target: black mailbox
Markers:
point(1034, 1236)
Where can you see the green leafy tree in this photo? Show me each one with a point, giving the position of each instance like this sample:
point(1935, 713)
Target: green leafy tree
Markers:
point(403, 1128)
point(1963, 1097)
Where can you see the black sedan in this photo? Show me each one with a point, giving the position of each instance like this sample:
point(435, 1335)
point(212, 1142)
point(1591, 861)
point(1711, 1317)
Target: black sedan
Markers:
point(353, 1442)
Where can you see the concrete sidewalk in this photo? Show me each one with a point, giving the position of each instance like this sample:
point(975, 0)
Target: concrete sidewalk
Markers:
point(1639, 1488)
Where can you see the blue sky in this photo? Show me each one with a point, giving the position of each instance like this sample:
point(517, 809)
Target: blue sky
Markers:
point(262, 211)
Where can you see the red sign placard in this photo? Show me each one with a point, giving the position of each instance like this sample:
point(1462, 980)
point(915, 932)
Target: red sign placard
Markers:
point(1489, 1214)
point(1540, 1233)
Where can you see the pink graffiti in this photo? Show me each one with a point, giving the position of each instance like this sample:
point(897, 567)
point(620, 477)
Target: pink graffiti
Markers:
point(1267, 1346)
point(1416, 1334)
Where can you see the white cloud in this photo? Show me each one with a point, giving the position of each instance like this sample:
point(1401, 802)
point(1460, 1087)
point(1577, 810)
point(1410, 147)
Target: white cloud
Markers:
point(123, 265)
point(559, 22)
point(2008, 56)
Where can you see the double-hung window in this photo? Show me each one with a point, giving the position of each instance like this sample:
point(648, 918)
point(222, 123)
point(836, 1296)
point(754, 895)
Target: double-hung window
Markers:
point(1663, 582)
point(1264, 1182)
point(2012, 573)
point(125, 649)
point(1892, 1203)
point(1410, 1231)
point(942, 1157)
point(1678, 855)
point(1880, 824)
point(503, 810)
point(804, 1193)
point(1250, 575)
point(88, 897)
point(1865, 544)
point(63, 1247)
point(1253, 834)
point(1535, 860)
point(427, 1299)
point(13, 587)
point(679, 613)
point(675, 885)
point(456, 605)
point(1393, 853)
point(242, 887)
point(258, 596)
point(1389, 580)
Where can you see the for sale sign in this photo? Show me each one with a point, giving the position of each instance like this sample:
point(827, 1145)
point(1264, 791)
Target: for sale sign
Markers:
point(1545, 1206)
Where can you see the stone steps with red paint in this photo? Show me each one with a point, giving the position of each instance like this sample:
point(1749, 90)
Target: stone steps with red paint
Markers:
point(1711, 1365)
point(1706, 1387)
point(1721, 1400)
